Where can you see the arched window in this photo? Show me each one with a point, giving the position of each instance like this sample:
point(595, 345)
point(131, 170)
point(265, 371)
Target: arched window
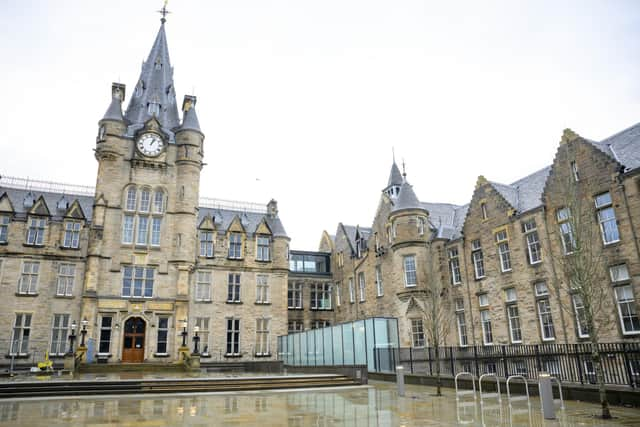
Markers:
point(141, 226)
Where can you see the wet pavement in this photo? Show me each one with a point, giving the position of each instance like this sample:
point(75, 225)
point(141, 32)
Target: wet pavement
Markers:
point(375, 405)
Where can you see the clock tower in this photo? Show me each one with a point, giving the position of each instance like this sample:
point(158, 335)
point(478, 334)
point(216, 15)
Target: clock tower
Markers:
point(143, 230)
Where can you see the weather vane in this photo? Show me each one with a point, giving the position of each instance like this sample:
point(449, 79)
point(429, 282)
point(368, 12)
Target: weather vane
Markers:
point(164, 12)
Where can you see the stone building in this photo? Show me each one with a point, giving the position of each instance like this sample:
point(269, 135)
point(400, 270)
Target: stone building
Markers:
point(500, 257)
point(142, 256)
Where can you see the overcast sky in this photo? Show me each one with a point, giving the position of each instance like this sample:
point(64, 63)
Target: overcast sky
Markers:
point(302, 100)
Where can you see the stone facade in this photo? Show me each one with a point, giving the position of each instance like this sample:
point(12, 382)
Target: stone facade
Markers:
point(500, 257)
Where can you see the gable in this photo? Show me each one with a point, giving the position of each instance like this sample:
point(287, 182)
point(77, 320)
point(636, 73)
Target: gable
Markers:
point(499, 210)
point(207, 223)
point(263, 228)
point(5, 203)
point(236, 225)
point(414, 307)
point(75, 211)
point(40, 208)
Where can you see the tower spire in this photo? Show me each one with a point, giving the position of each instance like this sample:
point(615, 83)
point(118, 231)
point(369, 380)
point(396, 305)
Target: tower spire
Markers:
point(154, 94)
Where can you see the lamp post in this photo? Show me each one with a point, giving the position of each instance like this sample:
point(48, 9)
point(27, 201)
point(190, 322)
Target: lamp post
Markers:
point(84, 322)
point(196, 339)
point(72, 337)
point(184, 332)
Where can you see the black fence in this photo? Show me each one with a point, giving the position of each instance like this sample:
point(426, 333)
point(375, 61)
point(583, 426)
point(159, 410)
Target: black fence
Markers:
point(567, 362)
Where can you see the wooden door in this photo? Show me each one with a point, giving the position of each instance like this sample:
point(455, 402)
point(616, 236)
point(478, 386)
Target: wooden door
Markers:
point(133, 346)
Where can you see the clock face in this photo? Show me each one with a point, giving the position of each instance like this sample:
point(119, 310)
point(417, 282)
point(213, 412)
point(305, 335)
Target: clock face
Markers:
point(150, 144)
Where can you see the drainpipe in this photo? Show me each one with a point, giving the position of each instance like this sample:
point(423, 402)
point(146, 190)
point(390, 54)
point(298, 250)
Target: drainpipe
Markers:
point(626, 205)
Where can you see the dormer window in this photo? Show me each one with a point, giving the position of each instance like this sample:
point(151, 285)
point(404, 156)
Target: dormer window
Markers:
point(29, 200)
point(153, 108)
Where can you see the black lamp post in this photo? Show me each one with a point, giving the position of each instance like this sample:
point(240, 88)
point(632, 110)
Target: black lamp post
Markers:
point(72, 337)
point(85, 322)
point(196, 339)
point(184, 332)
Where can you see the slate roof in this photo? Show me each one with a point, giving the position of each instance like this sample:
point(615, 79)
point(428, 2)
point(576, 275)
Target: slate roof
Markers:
point(155, 85)
point(17, 197)
point(407, 199)
point(624, 147)
point(395, 177)
point(447, 219)
point(250, 220)
point(114, 112)
point(529, 190)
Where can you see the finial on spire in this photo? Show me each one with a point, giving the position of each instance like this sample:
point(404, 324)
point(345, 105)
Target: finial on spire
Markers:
point(404, 172)
point(164, 12)
point(393, 153)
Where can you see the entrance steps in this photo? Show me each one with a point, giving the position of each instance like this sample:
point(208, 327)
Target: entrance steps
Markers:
point(108, 368)
point(59, 388)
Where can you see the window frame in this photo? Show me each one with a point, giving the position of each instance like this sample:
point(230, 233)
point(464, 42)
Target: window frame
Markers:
point(454, 266)
point(71, 238)
point(262, 348)
point(144, 281)
point(362, 286)
point(60, 325)
point(20, 343)
point(66, 279)
point(379, 281)
point(206, 239)
point(234, 280)
point(235, 245)
point(410, 273)
point(106, 333)
point(33, 276)
point(418, 338)
point(633, 310)
point(607, 206)
point(263, 251)
point(204, 285)
point(36, 231)
point(5, 220)
point(487, 329)
point(232, 336)
point(262, 289)
point(542, 315)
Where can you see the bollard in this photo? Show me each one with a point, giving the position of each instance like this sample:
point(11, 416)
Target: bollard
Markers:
point(400, 380)
point(546, 396)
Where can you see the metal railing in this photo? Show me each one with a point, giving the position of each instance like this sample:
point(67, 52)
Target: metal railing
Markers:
point(567, 362)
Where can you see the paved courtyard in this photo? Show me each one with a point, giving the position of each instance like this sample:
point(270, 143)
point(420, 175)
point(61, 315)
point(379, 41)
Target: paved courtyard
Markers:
point(375, 405)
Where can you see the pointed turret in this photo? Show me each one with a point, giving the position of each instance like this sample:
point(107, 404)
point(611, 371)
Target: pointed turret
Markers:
point(189, 116)
point(114, 112)
point(407, 199)
point(395, 181)
point(154, 94)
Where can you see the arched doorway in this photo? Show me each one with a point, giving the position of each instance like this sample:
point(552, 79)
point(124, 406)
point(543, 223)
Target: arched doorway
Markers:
point(133, 343)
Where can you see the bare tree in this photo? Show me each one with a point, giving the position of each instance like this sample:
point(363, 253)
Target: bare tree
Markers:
point(437, 308)
point(583, 270)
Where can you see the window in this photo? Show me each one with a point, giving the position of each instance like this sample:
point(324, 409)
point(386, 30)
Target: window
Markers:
point(66, 276)
point(483, 300)
point(340, 260)
point(417, 333)
point(59, 333)
point(143, 230)
point(454, 266)
point(138, 220)
point(462, 324)
point(566, 231)
point(203, 286)
point(582, 327)
point(127, 229)
point(483, 208)
point(4, 228)
point(379, 286)
point(320, 296)
point(420, 222)
point(541, 289)
point(361, 286)
point(574, 171)
point(235, 245)
point(294, 326)
point(264, 245)
point(71, 235)
point(487, 334)
point(20, 334)
point(530, 231)
point(352, 292)
point(262, 337)
point(607, 219)
point(627, 311)
point(338, 294)
point(203, 324)
point(514, 323)
point(319, 324)
point(233, 336)
point(29, 279)
point(35, 233)
point(234, 288)
point(477, 259)
point(546, 321)
point(105, 334)
point(137, 282)
point(510, 295)
point(503, 250)
point(410, 278)
point(206, 244)
point(163, 335)
point(294, 295)
point(619, 273)
point(262, 289)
